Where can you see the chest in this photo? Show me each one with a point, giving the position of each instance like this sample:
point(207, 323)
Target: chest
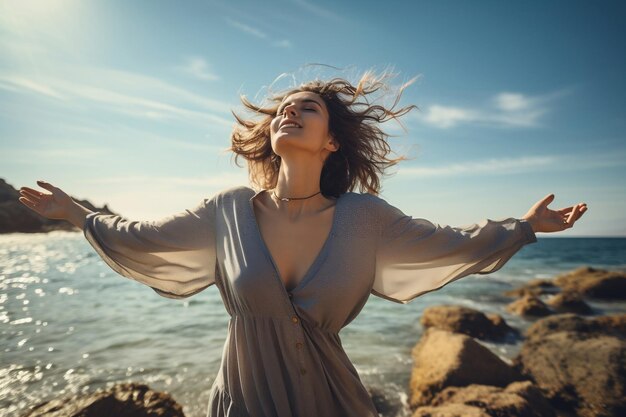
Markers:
point(294, 245)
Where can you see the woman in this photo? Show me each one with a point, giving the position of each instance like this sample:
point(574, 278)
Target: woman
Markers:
point(296, 260)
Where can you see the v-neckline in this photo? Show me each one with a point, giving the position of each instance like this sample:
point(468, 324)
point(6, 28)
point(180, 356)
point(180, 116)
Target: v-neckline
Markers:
point(318, 257)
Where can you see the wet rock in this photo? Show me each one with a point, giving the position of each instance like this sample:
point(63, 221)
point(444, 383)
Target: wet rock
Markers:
point(529, 305)
point(595, 283)
point(442, 359)
point(385, 406)
point(122, 400)
point(465, 320)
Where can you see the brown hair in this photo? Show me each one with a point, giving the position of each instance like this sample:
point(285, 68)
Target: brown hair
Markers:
point(363, 148)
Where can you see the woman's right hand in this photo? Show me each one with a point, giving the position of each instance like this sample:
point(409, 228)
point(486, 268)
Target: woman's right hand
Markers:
point(54, 205)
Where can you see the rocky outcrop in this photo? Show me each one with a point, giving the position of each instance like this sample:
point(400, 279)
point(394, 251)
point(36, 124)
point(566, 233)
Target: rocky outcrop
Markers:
point(15, 217)
point(569, 302)
point(450, 410)
point(529, 305)
point(594, 283)
point(443, 359)
point(519, 399)
point(568, 366)
point(384, 405)
point(585, 281)
point(579, 364)
point(585, 327)
point(534, 287)
point(127, 400)
point(465, 320)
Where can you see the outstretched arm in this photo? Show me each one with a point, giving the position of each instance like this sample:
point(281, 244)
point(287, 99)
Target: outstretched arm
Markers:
point(415, 256)
point(175, 255)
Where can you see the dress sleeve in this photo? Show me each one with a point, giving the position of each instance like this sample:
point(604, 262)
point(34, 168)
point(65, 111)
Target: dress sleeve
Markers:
point(415, 256)
point(175, 256)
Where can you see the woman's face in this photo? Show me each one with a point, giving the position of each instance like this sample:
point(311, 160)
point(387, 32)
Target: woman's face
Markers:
point(309, 111)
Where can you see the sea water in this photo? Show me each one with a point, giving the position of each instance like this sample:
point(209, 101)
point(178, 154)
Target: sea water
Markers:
point(72, 325)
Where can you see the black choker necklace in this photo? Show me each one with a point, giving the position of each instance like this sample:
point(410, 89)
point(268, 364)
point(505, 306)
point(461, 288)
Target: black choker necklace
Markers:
point(293, 198)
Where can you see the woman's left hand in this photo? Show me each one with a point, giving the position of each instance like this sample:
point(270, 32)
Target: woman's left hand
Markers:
point(542, 219)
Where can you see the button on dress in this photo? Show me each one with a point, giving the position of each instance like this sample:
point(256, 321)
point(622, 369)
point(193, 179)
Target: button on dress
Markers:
point(283, 356)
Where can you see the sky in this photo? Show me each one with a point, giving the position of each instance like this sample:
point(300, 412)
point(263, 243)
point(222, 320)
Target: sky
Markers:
point(130, 103)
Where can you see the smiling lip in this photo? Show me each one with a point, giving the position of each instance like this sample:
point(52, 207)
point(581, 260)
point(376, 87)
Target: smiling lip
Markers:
point(290, 127)
point(286, 122)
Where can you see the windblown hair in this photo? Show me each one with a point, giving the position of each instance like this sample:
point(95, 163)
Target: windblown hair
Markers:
point(363, 148)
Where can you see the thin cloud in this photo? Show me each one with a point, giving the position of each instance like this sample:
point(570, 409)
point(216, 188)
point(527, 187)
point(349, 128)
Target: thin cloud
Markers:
point(246, 28)
point(284, 43)
point(198, 68)
point(529, 164)
point(444, 116)
point(71, 91)
point(512, 101)
point(488, 166)
point(219, 180)
point(320, 11)
point(505, 109)
point(17, 84)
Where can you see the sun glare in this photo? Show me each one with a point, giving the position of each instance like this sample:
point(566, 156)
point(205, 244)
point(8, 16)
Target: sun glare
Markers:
point(30, 10)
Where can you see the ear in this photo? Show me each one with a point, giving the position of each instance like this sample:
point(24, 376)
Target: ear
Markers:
point(333, 145)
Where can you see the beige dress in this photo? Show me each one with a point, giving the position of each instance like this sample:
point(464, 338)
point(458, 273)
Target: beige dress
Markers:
point(283, 355)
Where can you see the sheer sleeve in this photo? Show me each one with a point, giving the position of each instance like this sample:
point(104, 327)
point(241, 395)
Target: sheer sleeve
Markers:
point(175, 255)
point(415, 256)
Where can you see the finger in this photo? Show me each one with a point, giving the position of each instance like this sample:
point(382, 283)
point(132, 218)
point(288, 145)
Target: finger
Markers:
point(581, 211)
point(36, 195)
point(547, 200)
point(27, 202)
point(31, 190)
point(46, 185)
point(570, 218)
point(565, 210)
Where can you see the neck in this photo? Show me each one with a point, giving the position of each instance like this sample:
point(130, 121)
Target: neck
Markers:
point(300, 178)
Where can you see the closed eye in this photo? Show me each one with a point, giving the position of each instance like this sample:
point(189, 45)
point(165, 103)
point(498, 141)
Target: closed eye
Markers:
point(281, 110)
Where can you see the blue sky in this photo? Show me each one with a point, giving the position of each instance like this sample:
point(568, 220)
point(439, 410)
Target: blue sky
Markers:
point(129, 103)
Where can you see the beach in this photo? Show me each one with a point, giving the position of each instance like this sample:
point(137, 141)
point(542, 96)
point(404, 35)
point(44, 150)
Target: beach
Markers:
point(70, 325)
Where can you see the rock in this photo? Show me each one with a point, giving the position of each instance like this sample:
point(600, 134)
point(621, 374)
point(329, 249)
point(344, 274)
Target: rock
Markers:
point(569, 302)
point(534, 287)
point(519, 399)
point(596, 283)
point(465, 320)
point(614, 325)
point(122, 400)
point(450, 410)
point(442, 358)
point(15, 217)
point(384, 405)
point(529, 305)
point(579, 364)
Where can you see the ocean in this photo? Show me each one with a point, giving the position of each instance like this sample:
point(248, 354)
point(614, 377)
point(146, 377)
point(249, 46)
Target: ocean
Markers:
point(71, 325)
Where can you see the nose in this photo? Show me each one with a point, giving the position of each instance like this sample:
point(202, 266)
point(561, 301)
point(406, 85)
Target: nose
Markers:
point(290, 109)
